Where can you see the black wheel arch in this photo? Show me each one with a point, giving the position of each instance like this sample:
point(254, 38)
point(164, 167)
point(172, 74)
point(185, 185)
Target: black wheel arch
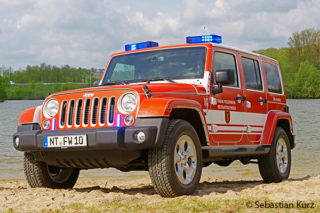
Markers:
point(286, 126)
point(195, 118)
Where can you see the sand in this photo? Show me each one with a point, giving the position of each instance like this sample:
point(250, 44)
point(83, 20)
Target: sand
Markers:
point(17, 196)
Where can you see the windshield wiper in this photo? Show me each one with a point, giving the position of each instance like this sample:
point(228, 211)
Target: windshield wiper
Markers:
point(159, 79)
point(115, 83)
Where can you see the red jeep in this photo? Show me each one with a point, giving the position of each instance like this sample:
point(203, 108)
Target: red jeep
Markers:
point(168, 110)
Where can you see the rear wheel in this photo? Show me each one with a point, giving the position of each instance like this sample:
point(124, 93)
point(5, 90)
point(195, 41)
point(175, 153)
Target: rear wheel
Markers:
point(175, 168)
point(276, 166)
point(39, 174)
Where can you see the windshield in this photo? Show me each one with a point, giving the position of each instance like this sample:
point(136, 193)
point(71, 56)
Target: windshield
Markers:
point(177, 63)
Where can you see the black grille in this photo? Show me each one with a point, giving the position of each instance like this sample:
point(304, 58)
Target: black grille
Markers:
point(63, 113)
point(111, 109)
point(70, 113)
point(103, 110)
point(75, 112)
point(86, 112)
point(94, 111)
point(78, 113)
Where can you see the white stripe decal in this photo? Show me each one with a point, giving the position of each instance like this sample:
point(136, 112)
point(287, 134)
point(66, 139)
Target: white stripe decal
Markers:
point(238, 118)
point(234, 133)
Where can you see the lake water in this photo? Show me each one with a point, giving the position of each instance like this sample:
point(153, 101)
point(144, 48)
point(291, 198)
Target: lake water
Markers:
point(305, 157)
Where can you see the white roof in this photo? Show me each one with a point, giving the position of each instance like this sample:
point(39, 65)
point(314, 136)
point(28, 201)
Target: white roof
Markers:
point(240, 50)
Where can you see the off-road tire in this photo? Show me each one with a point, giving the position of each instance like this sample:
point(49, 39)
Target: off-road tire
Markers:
point(161, 161)
point(268, 166)
point(37, 174)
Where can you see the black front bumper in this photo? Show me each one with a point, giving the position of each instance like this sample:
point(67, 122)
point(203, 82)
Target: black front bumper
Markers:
point(107, 138)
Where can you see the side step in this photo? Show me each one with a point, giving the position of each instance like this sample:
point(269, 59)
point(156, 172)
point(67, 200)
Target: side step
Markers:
point(236, 151)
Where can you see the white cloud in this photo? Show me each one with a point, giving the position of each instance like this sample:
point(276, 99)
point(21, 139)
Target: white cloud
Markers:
point(85, 33)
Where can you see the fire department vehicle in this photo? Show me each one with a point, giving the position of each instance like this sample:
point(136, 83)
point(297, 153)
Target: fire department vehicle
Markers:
point(169, 110)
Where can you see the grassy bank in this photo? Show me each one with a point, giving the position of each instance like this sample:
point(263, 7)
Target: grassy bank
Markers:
point(190, 204)
point(37, 91)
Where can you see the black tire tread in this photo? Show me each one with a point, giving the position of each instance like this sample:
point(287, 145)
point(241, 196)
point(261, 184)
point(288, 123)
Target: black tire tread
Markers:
point(158, 162)
point(159, 165)
point(267, 165)
point(37, 175)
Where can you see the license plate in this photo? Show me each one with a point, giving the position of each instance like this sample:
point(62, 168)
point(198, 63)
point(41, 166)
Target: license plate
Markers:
point(65, 141)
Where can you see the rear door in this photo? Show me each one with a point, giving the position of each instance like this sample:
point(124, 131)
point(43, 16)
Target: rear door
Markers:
point(256, 98)
point(224, 123)
point(276, 97)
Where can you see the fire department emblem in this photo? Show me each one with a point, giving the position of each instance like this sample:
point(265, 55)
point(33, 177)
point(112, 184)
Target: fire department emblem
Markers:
point(227, 116)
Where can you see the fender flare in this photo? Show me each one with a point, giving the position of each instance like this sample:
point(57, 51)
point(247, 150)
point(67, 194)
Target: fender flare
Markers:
point(31, 115)
point(162, 107)
point(271, 124)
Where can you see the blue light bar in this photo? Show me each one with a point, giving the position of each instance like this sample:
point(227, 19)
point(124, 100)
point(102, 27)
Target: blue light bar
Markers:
point(204, 39)
point(142, 45)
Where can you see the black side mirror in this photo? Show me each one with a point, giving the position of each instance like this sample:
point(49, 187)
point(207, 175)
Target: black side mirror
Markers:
point(96, 83)
point(223, 77)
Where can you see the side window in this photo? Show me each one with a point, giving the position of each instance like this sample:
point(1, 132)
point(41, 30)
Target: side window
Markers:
point(252, 73)
point(226, 61)
point(123, 72)
point(273, 78)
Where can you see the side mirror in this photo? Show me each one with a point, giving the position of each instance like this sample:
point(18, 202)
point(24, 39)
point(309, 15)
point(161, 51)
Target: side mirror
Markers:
point(96, 83)
point(223, 77)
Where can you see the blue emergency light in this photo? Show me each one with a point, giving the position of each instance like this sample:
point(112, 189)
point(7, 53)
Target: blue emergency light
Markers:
point(204, 39)
point(142, 45)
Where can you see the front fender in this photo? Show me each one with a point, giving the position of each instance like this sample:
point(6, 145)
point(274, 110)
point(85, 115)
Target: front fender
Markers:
point(159, 107)
point(31, 115)
point(271, 124)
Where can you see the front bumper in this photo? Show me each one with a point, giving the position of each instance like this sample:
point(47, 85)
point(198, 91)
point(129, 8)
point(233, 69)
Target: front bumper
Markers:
point(107, 138)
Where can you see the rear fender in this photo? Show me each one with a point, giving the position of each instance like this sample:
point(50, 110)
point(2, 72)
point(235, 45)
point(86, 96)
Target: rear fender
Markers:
point(271, 124)
point(31, 115)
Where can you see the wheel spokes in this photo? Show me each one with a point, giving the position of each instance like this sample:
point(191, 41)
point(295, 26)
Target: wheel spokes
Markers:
point(185, 159)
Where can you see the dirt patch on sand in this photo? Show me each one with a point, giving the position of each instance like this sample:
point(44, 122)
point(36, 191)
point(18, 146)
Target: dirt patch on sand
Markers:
point(18, 196)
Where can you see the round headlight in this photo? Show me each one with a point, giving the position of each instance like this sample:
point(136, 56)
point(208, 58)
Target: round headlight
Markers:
point(128, 103)
point(51, 108)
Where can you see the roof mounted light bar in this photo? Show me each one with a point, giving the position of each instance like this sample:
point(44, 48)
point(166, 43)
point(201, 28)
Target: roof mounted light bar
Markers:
point(204, 39)
point(142, 45)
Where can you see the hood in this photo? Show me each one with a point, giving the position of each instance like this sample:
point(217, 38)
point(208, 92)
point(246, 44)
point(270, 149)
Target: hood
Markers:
point(167, 88)
point(101, 106)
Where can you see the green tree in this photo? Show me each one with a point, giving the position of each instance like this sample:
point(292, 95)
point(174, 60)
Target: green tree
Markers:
point(305, 45)
point(3, 86)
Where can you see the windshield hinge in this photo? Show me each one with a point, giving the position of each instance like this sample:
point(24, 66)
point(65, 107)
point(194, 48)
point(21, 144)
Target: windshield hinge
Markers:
point(147, 91)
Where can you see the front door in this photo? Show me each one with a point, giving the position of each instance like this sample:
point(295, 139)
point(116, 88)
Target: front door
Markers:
point(226, 110)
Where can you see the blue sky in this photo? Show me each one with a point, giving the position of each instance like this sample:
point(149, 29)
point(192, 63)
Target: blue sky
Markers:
point(84, 33)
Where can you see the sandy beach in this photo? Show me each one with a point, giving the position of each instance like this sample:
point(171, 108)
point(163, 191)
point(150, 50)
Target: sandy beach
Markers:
point(138, 195)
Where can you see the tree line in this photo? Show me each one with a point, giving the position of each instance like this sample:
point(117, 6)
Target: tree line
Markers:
point(299, 64)
point(43, 74)
point(49, 74)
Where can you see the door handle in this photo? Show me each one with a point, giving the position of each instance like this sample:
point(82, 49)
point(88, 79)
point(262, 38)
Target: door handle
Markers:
point(240, 98)
point(262, 100)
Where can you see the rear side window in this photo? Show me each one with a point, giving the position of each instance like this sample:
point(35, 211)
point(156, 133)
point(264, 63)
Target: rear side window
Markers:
point(226, 61)
point(252, 73)
point(273, 78)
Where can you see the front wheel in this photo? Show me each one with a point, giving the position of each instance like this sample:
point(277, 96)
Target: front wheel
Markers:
point(39, 174)
point(276, 165)
point(175, 168)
